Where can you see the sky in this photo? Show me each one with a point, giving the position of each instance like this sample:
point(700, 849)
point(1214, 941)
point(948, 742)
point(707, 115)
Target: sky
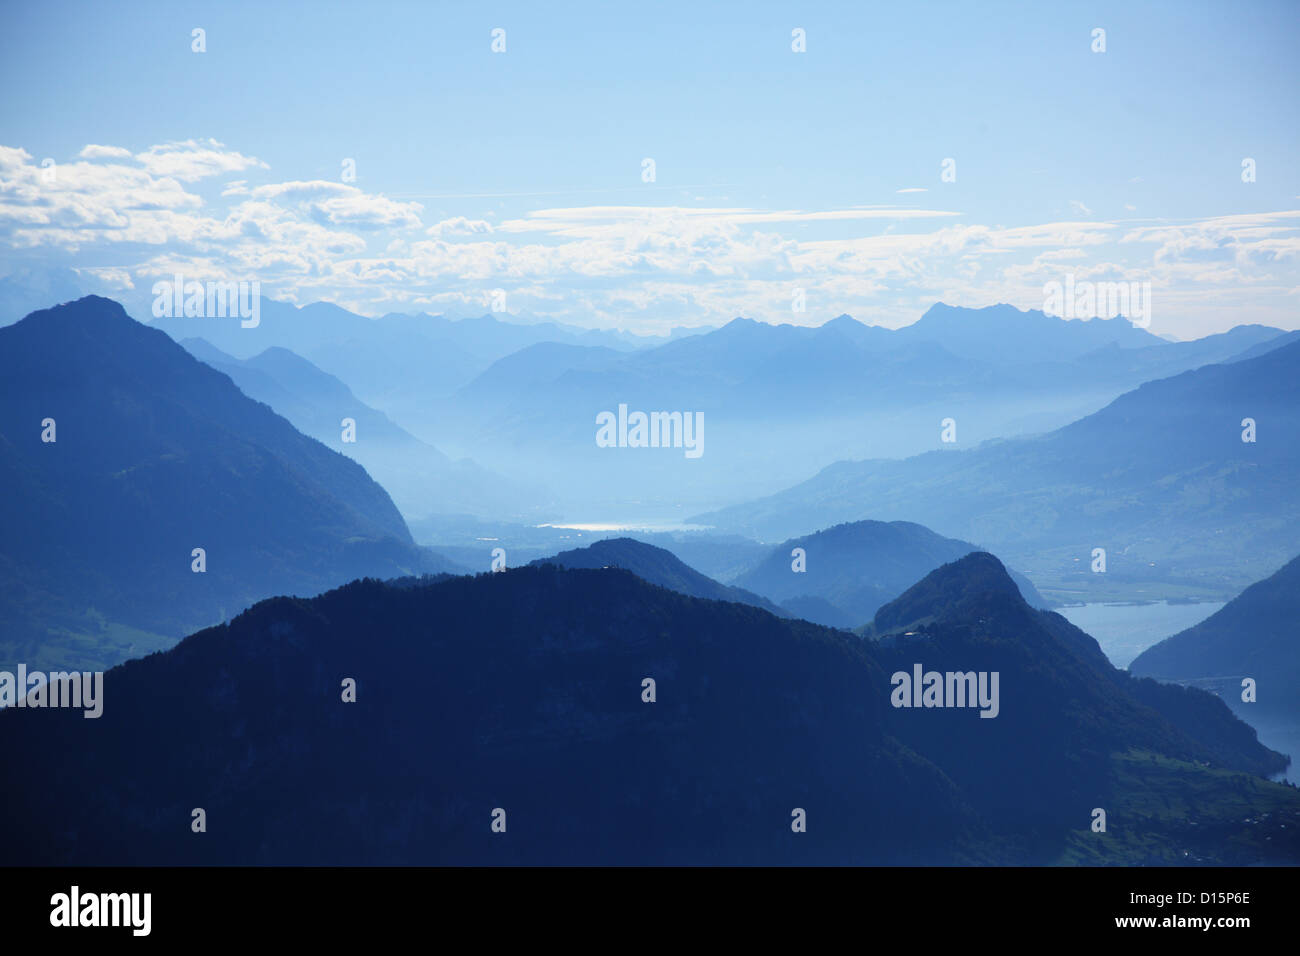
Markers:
point(518, 177)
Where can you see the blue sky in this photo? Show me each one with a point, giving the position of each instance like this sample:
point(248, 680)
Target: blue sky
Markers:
point(774, 170)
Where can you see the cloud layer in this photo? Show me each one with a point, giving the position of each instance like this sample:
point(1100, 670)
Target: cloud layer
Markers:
point(123, 219)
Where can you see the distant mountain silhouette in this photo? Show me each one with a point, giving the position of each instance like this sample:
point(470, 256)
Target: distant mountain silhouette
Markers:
point(523, 691)
point(471, 541)
point(984, 334)
point(383, 360)
point(850, 570)
point(1255, 635)
point(1160, 478)
point(1273, 342)
point(420, 478)
point(520, 399)
point(789, 399)
point(657, 566)
point(156, 454)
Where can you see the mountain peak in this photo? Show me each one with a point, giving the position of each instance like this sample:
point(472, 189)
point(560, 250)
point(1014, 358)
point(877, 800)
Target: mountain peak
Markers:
point(958, 586)
point(740, 323)
point(657, 566)
point(86, 309)
point(943, 311)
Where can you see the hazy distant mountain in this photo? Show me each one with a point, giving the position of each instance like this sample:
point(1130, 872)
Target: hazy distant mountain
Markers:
point(1255, 635)
point(1104, 350)
point(395, 357)
point(524, 693)
point(470, 542)
point(421, 479)
point(29, 289)
point(850, 570)
point(786, 400)
point(1002, 334)
point(1268, 345)
point(520, 398)
point(782, 368)
point(156, 454)
point(657, 566)
point(1160, 478)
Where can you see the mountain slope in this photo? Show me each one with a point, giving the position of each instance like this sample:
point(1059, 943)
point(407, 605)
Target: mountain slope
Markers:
point(523, 691)
point(1256, 634)
point(519, 690)
point(157, 454)
point(788, 400)
point(983, 333)
point(1159, 478)
point(657, 566)
point(850, 570)
point(420, 478)
point(390, 360)
point(1064, 715)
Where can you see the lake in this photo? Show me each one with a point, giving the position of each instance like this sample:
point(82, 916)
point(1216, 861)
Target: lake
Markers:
point(1126, 630)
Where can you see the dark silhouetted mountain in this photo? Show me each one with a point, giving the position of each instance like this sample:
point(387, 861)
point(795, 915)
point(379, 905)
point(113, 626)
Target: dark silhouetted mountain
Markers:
point(720, 556)
point(519, 690)
point(1160, 478)
point(1065, 712)
point(157, 454)
point(471, 541)
point(852, 569)
point(1255, 635)
point(523, 691)
point(657, 566)
point(420, 479)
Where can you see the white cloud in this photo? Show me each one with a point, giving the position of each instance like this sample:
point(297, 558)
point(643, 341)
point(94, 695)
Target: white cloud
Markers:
point(123, 219)
point(192, 160)
point(105, 152)
point(342, 205)
point(460, 226)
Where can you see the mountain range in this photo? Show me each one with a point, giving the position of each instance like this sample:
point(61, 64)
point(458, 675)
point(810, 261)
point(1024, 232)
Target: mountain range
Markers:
point(1254, 636)
point(1163, 479)
point(847, 572)
point(655, 566)
point(121, 455)
point(420, 478)
point(781, 401)
point(510, 719)
point(371, 355)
